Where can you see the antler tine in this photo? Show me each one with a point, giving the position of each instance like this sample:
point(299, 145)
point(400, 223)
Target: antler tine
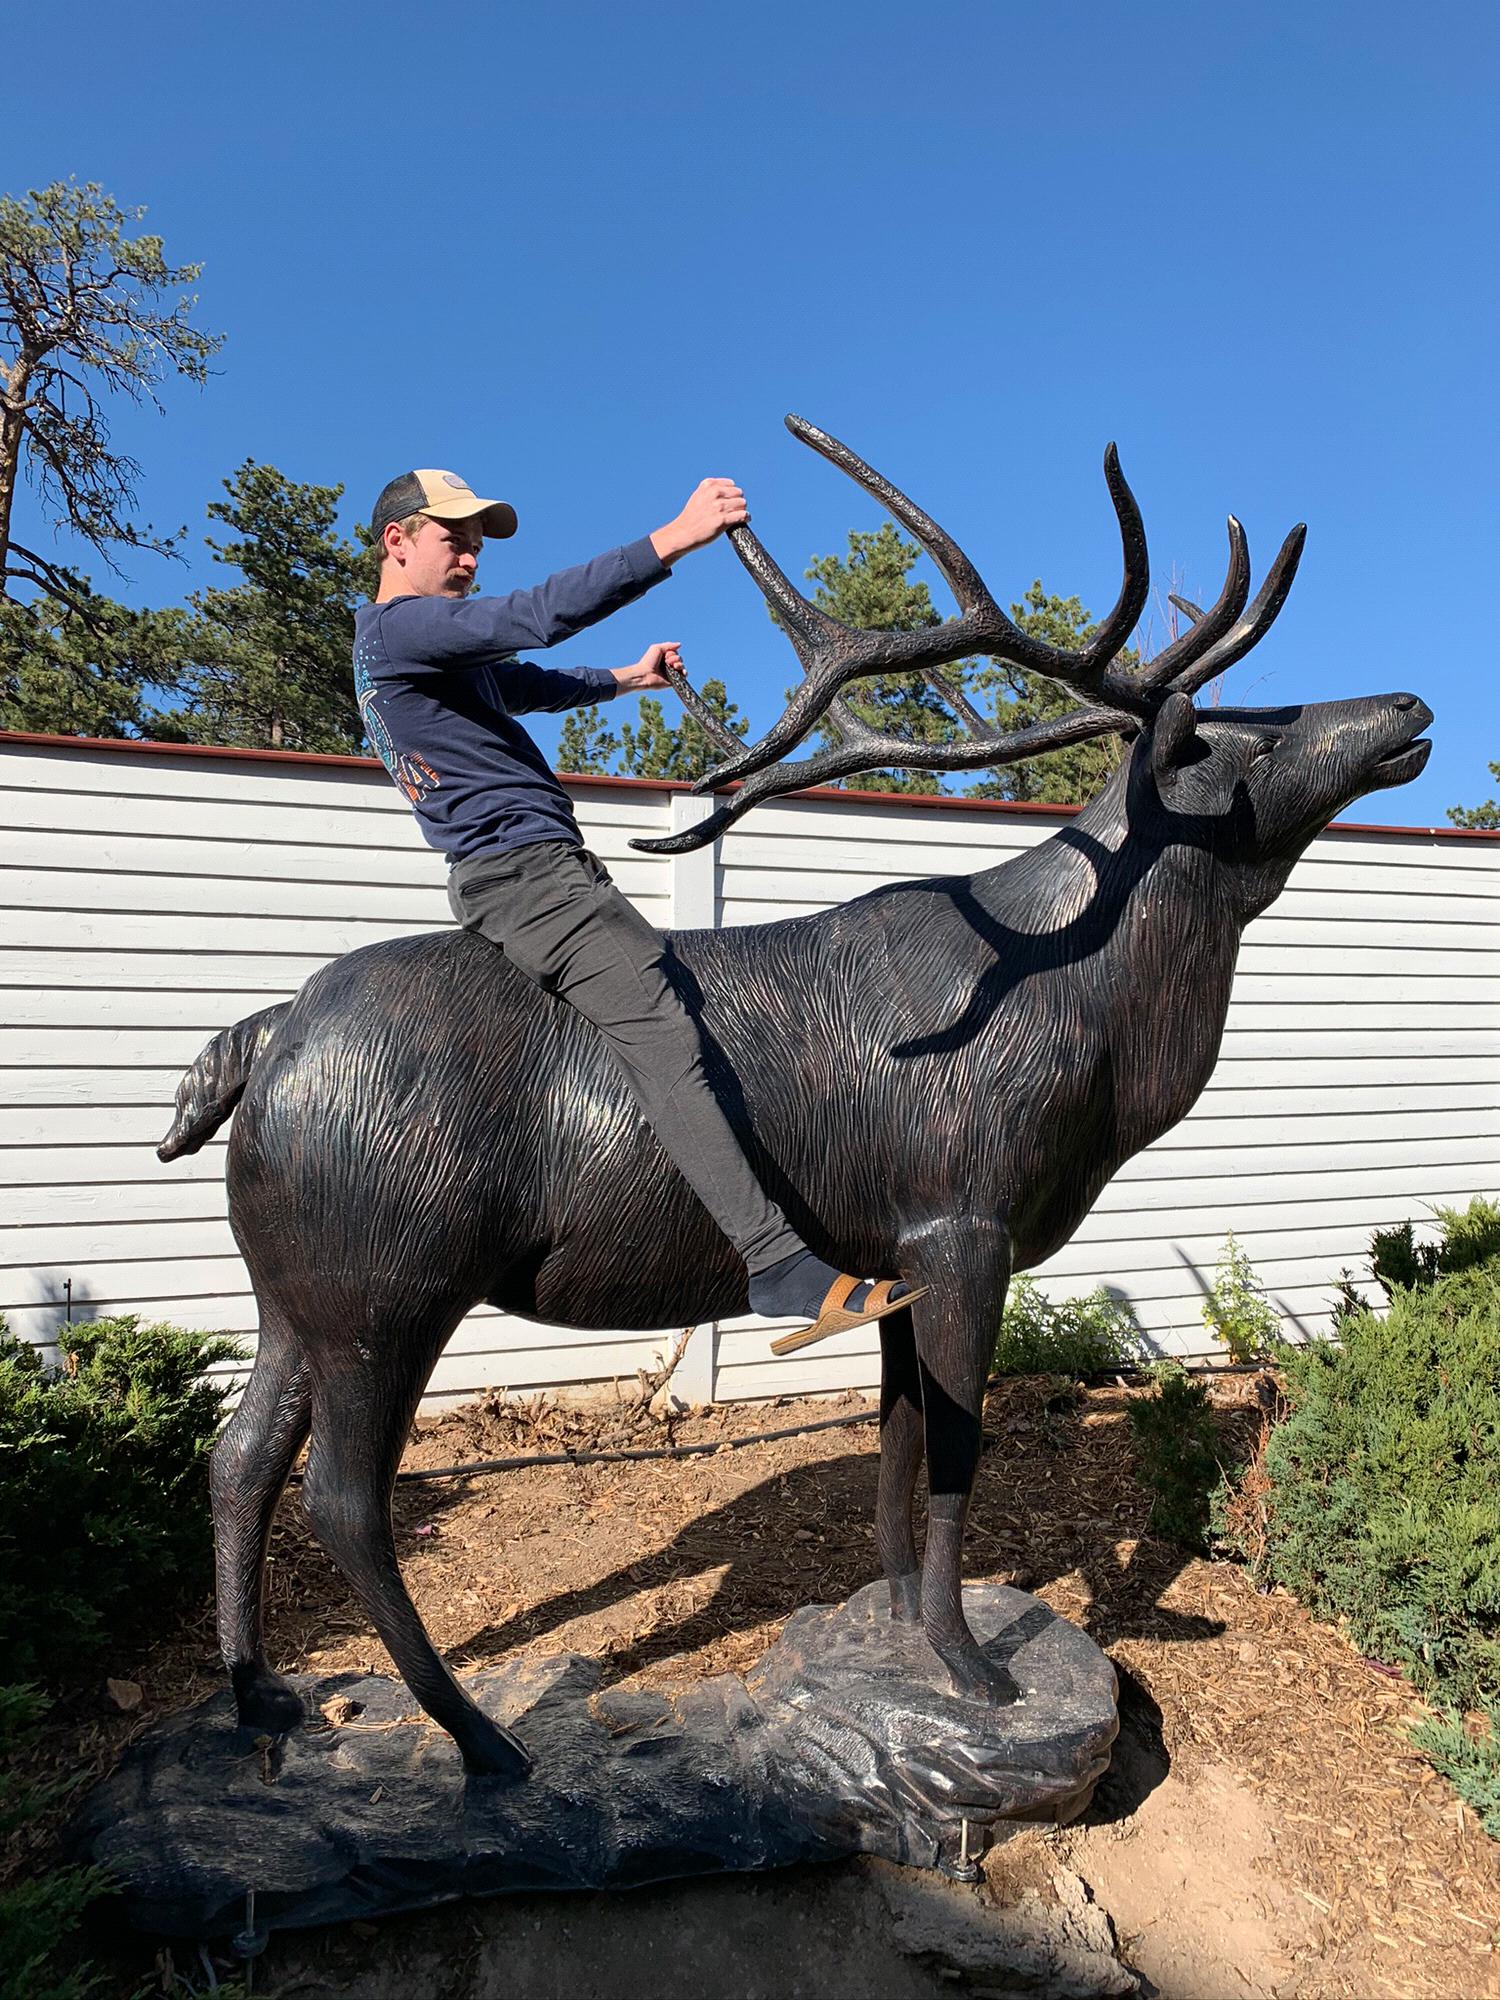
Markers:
point(1255, 623)
point(1204, 627)
point(1135, 588)
point(960, 575)
point(1192, 612)
point(712, 725)
point(866, 749)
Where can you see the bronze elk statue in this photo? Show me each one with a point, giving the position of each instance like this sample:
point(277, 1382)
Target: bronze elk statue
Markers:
point(936, 1079)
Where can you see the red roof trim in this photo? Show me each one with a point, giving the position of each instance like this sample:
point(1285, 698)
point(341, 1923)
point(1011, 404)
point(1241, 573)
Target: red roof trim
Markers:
point(1007, 808)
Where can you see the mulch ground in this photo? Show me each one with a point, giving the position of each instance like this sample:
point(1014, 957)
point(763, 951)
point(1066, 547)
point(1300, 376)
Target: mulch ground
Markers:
point(671, 1569)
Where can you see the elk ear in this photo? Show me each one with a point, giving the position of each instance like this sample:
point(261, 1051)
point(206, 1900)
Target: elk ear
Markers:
point(1172, 735)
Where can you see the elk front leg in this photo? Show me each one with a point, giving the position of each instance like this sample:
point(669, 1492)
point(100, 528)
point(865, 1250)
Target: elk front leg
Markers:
point(900, 1458)
point(955, 1337)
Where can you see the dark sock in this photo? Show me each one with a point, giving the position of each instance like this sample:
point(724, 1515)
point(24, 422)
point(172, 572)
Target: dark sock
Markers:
point(798, 1284)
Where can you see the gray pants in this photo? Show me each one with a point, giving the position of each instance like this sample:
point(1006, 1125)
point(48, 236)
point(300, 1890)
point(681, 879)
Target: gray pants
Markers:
point(557, 916)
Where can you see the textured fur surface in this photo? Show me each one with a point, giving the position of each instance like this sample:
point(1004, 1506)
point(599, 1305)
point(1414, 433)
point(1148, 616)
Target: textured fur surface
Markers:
point(936, 1079)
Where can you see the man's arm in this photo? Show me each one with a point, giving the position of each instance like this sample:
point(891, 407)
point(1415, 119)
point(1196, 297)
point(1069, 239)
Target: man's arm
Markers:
point(450, 632)
point(472, 631)
point(526, 688)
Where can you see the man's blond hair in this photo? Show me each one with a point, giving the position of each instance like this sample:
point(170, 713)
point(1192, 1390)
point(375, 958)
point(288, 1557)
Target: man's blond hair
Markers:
point(409, 527)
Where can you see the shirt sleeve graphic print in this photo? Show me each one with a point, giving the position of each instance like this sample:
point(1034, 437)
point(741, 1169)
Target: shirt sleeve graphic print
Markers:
point(413, 774)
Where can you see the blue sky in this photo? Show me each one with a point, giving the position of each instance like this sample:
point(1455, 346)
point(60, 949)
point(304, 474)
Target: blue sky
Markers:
point(586, 254)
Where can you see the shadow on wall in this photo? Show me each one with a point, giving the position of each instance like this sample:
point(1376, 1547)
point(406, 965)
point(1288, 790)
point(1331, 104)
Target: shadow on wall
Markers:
point(46, 1301)
point(1301, 1334)
point(1148, 1346)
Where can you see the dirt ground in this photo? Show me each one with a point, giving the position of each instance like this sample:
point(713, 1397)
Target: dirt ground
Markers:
point(1266, 1828)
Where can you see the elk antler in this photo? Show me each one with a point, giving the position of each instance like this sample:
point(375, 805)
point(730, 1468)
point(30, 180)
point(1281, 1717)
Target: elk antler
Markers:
point(832, 654)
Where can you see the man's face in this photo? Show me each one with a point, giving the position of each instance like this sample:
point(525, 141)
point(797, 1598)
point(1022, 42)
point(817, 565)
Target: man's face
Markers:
point(441, 559)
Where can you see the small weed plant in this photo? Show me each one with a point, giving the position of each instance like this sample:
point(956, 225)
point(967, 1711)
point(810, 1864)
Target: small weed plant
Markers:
point(1076, 1337)
point(1237, 1311)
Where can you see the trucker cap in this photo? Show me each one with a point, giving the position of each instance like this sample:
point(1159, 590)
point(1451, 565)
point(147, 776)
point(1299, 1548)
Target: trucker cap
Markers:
point(445, 497)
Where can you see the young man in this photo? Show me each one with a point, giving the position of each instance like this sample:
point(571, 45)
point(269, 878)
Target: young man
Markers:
point(439, 687)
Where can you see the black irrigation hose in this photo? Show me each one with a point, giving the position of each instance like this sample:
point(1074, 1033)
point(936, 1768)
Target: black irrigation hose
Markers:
point(641, 1453)
point(633, 1456)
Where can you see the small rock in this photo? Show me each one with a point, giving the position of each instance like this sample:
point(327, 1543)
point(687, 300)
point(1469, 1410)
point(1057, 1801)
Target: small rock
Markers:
point(126, 1695)
point(1249, 1652)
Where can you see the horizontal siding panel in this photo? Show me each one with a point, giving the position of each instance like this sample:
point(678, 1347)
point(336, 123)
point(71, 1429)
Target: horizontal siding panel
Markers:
point(82, 1204)
point(261, 827)
point(64, 891)
point(104, 1240)
point(65, 1010)
point(1192, 1161)
point(103, 967)
point(1374, 1127)
point(49, 1164)
point(1137, 1190)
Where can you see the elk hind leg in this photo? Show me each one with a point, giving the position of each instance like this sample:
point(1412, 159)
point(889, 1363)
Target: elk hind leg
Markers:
point(247, 1472)
point(361, 1415)
point(900, 1460)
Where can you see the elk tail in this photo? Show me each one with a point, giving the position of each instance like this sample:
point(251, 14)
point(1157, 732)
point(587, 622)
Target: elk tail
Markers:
point(213, 1086)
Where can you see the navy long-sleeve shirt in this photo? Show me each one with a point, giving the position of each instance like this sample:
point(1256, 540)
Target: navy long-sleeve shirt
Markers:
point(439, 688)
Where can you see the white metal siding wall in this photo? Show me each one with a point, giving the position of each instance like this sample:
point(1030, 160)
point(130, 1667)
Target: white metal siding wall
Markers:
point(149, 899)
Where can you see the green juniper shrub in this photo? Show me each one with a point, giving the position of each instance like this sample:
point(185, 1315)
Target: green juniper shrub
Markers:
point(42, 1910)
point(1237, 1311)
point(1399, 1261)
point(1381, 1488)
point(1176, 1451)
point(1468, 1236)
point(104, 1517)
point(1077, 1337)
point(1469, 1758)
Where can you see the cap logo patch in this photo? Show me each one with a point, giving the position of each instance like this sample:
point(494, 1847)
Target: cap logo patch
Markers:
point(452, 479)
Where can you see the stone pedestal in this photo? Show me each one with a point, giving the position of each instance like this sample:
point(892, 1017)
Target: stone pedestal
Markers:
point(844, 1739)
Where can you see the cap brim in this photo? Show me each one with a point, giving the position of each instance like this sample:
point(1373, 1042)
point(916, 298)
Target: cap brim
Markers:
point(497, 518)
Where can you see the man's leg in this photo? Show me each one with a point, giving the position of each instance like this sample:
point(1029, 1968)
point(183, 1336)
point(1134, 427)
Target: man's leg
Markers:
point(557, 915)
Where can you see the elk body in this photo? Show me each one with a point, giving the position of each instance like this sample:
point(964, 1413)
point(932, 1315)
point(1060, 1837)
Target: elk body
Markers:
point(937, 1079)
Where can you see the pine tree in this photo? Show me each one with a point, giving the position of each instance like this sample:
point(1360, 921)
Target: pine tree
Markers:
point(83, 318)
point(1061, 777)
point(86, 667)
point(871, 588)
point(653, 749)
point(1485, 817)
point(587, 747)
point(267, 661)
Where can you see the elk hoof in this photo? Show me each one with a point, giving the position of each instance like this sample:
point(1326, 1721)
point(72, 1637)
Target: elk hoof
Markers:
point(976, 1678)
point(496, 1756)
point(265, 1702)
point(906, 1597)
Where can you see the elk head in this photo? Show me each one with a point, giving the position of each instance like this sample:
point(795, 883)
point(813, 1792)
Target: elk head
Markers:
point(1251, 786)
point(1265, 779)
